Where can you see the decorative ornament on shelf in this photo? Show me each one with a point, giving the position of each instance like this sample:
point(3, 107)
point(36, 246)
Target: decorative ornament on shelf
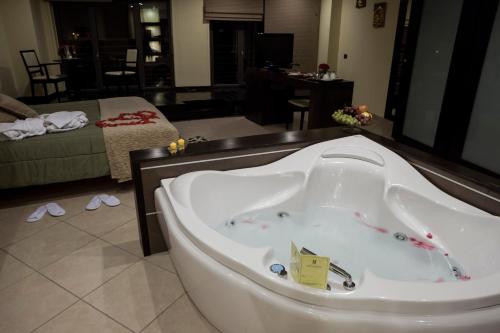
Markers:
point(360, 3)
point(353, 115)
point(379, 11)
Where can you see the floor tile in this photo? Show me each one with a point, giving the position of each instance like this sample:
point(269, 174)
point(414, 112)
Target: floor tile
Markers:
point(49, 245)
point(11, 270)
point(181, 317)
point(138, 295)
point(75, 204)
point(89, 267)
point(163, 260)
point(13, 225)
point(126, 195)
point(82, 318)
point(102, 220)
point(31, 302)
point(126, 237)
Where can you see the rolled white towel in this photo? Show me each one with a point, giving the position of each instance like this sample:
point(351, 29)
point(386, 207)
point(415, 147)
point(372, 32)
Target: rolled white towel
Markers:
point(64, 121)
point(21, 129)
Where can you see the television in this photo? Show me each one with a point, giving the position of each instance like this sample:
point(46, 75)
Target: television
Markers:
point(274, 50)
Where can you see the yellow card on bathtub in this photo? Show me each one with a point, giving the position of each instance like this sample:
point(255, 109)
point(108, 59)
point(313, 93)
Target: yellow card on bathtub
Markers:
point(310, 270)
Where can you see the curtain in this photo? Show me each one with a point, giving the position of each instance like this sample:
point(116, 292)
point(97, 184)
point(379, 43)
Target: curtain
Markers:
point(233, 10)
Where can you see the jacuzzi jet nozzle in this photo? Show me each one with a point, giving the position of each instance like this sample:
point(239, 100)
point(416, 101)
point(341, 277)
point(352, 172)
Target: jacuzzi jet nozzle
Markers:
point(278, 269)
point(349, 285)
point(400, 236)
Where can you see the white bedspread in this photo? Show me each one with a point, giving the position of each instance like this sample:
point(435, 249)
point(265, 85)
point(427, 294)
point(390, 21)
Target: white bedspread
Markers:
point(61, 121)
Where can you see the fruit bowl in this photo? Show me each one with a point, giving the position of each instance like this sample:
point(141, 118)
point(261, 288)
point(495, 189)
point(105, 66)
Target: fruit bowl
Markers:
point(353, 115)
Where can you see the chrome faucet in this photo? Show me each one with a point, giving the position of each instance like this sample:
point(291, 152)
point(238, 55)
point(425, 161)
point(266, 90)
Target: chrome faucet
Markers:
point(348, 283)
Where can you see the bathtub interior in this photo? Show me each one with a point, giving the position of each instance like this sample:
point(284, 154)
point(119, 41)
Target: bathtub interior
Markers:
point(347, 210)
point(470, 237)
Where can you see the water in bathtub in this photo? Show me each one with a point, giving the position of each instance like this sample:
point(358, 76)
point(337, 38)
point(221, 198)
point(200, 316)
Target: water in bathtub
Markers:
point(348, 238)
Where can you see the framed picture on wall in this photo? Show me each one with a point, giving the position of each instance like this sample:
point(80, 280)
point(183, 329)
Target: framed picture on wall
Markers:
point(379, 10)
point(360, 3)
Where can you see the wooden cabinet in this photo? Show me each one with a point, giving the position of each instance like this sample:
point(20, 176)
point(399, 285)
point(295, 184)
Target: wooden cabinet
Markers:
point(268, 93)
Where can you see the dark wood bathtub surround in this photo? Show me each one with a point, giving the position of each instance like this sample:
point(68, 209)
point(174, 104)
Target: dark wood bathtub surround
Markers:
point(151, 165)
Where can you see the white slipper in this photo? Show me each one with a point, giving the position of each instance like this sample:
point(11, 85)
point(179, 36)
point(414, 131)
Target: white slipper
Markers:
point(55, 210)
point(109, 200)
point(37, 214)
point(94, 203)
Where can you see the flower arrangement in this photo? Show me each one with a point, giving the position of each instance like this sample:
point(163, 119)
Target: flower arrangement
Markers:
point(353, 115)
point(323, 68)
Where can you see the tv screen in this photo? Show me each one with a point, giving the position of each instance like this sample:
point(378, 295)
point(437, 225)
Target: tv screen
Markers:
point(274, 50)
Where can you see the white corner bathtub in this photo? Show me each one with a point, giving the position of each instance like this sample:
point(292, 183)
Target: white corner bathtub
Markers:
point(422, 261)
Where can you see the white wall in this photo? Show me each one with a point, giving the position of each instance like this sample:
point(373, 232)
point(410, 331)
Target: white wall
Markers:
point(7, 82)
point(325, 17)
point(333, 47)
point(191, 40)
point(19, 30)
point(24, 24)
point(369, 52)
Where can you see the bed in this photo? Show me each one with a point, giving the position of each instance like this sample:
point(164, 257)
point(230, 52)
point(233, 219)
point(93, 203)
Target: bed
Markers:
point(68, 156)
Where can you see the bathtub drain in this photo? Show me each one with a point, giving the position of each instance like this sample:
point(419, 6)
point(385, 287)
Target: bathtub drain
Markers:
point(283, 214)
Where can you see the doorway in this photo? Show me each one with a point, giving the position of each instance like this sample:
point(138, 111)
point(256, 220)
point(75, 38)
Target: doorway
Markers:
point(94, 37)
point(232, 50)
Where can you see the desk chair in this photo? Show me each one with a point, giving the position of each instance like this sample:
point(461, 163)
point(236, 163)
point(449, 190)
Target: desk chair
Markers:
point(126, 73)
point(39, 74)
point(299, 104)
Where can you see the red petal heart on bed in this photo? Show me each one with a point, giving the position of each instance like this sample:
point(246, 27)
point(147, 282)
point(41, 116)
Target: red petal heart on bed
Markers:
point(127, 119)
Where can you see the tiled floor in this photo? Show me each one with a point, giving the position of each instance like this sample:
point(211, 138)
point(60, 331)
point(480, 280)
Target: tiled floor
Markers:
point(84, 272)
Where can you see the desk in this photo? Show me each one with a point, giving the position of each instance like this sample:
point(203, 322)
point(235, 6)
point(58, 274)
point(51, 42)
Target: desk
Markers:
point(268, 93)
point(80, 73)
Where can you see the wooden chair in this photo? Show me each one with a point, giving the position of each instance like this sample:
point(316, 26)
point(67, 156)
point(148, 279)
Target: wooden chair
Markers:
point(126, 73)
point(299, 104)
point(39, 74)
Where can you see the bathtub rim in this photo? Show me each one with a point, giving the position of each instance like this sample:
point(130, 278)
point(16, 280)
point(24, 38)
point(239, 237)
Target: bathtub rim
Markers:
point(438, 298)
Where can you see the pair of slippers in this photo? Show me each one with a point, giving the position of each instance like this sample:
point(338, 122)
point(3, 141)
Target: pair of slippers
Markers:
point(52, 208)
point(108, 200)
point(55, 210)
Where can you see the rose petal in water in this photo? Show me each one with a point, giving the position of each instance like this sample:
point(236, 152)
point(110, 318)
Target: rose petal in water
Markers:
point(379, 229)
point(421, 244)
